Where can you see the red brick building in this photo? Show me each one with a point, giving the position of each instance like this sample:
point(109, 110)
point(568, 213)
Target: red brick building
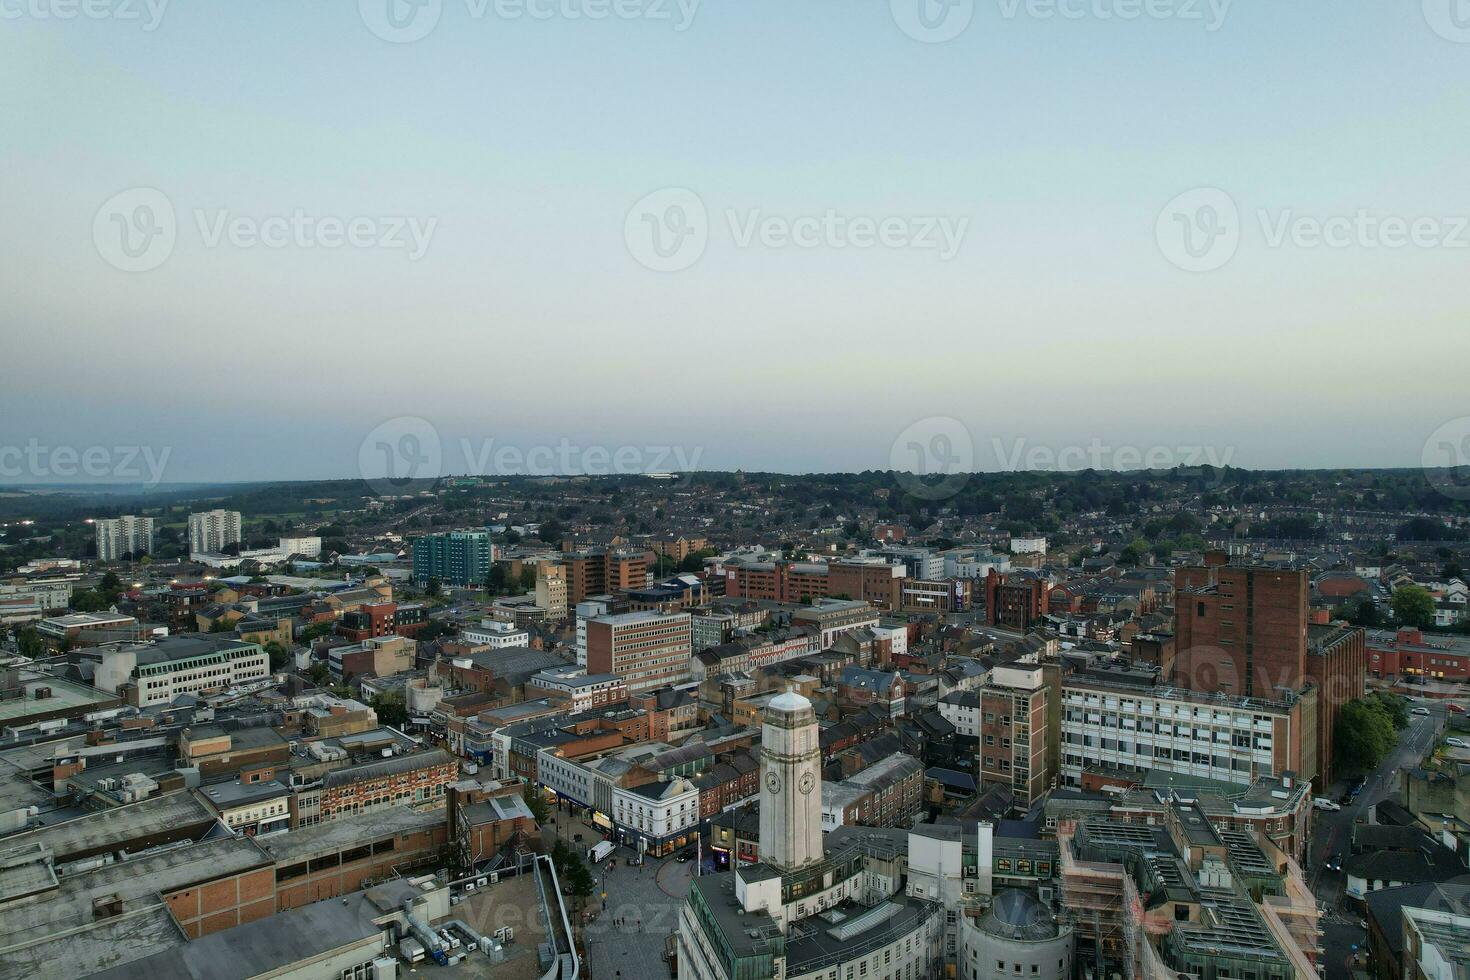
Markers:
point(647, 649)
point(1014, 601)
point(1243, 630)
point(778, 581)
point(1337, 663)
point(1413, 654)
point(727, 783)
point(876, 584)
point(603, 572)
point(375, 619)
point(415, 778)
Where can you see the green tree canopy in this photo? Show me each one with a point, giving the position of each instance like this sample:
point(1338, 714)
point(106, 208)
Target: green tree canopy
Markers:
point(390, 708)
point(1364, 735)
point(535, 803)
point(1412, 605)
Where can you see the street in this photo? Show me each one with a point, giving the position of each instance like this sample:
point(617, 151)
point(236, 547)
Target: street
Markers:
point(1331, 836)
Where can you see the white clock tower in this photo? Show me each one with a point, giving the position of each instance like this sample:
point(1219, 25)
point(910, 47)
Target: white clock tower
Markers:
point(791, 784)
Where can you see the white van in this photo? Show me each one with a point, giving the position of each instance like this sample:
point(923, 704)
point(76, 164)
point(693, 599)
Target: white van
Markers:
point(1323, 803)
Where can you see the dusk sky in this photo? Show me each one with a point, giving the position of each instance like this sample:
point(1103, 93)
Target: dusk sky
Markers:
point(254, 233)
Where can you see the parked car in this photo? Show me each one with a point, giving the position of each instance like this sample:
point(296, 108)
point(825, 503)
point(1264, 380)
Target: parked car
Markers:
point(1323, 803)
point(1418, 711)
point(1458, 743)
point(1458, 709)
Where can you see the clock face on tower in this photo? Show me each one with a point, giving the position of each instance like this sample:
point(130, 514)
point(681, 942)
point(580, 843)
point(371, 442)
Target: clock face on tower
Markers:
point(807, 782)
point(773, 781)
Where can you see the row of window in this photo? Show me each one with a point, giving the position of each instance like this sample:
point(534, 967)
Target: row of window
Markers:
point(1237, 740)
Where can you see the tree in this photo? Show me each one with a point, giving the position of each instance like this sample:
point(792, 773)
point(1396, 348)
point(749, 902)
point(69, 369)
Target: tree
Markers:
point(317, 630)
point(390, 708)
point(433, 630)
point(280, 656)
point(28, 643)
point(534, 802)
point(432, 589)
point(89, 600)
point(579, 878)
point(1363, 736)
point(1363, 612)
point(110, 587)
point(1134, 552)
point(528, 577)
point(572, 870)
point(1393, 706)
point(1412, 605)
point(495, 581)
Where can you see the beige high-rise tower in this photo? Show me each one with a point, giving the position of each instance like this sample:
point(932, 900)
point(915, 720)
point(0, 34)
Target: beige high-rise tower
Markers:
point(791, 784)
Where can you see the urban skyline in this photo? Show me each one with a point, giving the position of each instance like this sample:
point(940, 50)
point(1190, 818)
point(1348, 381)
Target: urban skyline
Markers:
point(1047, 226)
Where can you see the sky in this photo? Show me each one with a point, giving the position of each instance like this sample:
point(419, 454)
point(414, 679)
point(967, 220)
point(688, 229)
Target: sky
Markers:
point(268, 240)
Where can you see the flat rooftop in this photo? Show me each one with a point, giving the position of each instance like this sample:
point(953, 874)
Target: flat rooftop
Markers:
point(65, 696)
point(516, 902)
point(172, 648)
point(136, 884)
point(277, 941)
point(236, 793)
point(850, 930)
point(348, 832)
point(104, 830)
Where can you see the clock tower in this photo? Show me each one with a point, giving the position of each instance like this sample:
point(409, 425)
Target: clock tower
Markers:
point(791, 784)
